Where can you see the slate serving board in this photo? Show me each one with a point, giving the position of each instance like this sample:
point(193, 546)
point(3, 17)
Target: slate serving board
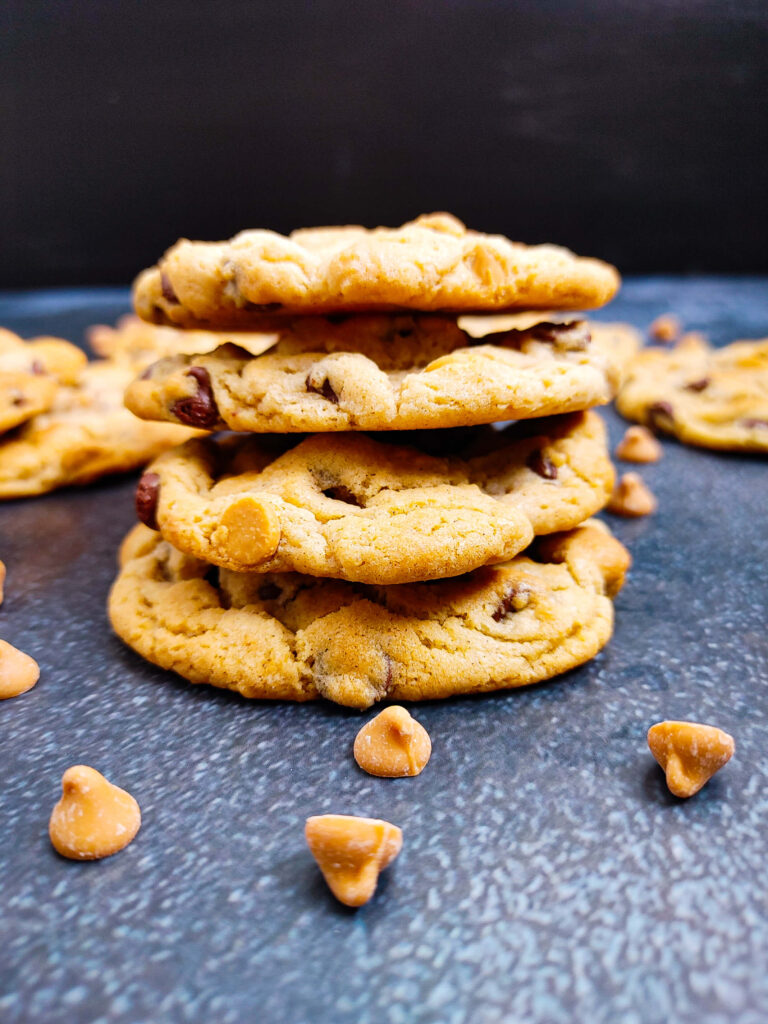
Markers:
point(546, 875)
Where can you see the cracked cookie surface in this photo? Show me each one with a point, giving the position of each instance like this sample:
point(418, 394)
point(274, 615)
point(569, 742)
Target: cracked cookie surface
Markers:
point(432, 264)
point(712, 397)
point(86, 433)
point(353, 507)
point(379, 373)
point(30, 374)
point(293, 637)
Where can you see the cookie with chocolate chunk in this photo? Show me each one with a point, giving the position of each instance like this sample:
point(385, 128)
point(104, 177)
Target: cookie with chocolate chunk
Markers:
point(712, 397)
point(353, 507)
point(30, 374)
point(294, 637)
point(380, 373)
point(433, 264)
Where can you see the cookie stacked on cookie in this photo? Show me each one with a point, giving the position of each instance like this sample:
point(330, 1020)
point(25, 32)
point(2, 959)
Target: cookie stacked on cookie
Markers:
point(406, 548)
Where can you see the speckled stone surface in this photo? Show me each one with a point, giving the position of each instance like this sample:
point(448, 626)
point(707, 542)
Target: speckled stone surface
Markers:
point(546, 875)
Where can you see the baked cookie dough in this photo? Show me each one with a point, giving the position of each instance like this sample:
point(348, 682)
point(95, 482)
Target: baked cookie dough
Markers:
point(86, 434)
point(294, 637)
point(713, 397)
point(433, 264)
point(379, 373)
point(354, 507)
point(30, 374)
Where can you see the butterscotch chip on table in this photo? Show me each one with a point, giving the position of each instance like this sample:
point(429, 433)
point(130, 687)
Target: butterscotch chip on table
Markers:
point(380, 373)
point(712, 397)
point(351, 852)
point(639, 445)
point(294, 637)
point(433, 264)
point(30, 374)
point(666, 327)
point(18, 672)
point(632, 497)
point(393, 745)
point(689, 753)
point(93, 818)
point(354, 507)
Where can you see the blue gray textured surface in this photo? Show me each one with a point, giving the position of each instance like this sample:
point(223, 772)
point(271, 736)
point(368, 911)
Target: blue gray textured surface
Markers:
point(546, 876)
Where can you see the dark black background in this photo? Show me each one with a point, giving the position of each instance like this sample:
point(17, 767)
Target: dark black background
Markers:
point(636, 131)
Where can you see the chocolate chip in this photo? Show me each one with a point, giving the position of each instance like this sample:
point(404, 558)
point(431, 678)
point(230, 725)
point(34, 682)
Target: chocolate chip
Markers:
point(697, 385)
point(572, 336)
point(661, 414)
point(262, 307)
point(146, 374)
point(147, 493)
point(516, 598)
point(168, 293)
point(541, 463)
point(37, 368)
point(269, 592)
point(323, 389)
point(752, 422)
point(342, 493)
point(198, 410)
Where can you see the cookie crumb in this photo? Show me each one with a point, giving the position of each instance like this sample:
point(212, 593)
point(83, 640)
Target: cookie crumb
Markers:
point(666, 328)
point(632, 497)
point(93, 818)
point(351, 852)
point(689, 753)
point(18, 672)
point(393, 745)
point(639, 445)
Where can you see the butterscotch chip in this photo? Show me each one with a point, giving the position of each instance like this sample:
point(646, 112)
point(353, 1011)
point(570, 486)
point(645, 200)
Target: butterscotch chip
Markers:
point(393, 745)
point(689, 753)
point(639, 445)
point(18, 672)
point(248, 530)
point(351, 852)
point(93, 818)
point(632, 497)
point(666, 327)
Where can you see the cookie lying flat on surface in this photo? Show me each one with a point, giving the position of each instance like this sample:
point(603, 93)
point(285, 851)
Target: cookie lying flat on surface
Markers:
point(293, 637)
point(379, 373)
point(716, 398)
point(86, 434)
point(433, 264)
point(352, 507)
point(135, 341)
point(30, 373)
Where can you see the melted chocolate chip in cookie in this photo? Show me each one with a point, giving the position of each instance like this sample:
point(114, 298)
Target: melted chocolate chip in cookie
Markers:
point(147, 493)
point(661, 414)
point(324, 388)
point(199, 410)
point(513, 601)
point(168, 293)
point(698, 385)
point(541, 463)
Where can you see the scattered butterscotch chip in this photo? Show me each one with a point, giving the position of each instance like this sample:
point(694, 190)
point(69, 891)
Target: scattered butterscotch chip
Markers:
point(351, 852)
point(632, 497)
point(666, 327)
point(18, 672)
point(689, 753)
point(393, 745)
point(2, 581)
point(639, 445)
point(93, 818)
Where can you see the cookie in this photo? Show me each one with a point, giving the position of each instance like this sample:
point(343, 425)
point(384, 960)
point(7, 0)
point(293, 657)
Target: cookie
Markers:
point(379, 373)
point(135, 341)
point(433, 264)
point(294, 637)
point(30, 373)
point(86, 434)
point(715, 398)
point(352, 507)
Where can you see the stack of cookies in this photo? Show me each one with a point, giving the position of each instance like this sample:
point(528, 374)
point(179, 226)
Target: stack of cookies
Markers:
point(353, 525)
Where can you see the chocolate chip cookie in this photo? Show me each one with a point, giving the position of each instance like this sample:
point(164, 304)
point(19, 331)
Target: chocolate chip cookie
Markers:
point(30, 374)
point(294, 637)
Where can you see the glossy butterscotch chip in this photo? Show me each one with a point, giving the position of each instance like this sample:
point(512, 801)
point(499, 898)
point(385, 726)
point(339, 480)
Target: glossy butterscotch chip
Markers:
point(18, 672)
point(248, 531)
point(393, 745)
point(632, 497)
point(666, 327)
point(689, 753)
point(93, 818)
point(639, 445)
point(351, 852)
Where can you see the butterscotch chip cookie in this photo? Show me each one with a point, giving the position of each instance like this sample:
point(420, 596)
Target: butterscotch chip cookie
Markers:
point(638, 445)
point(356, 508)
point(296, 637)
point(379, 373)
point(689, 753)
point(30, 374)
point(351, 852)
point(393, 745)
point(86, 434)
point(632, 497)
point(433, 264)
point(93, 818)
point(716, 398)
point(18, 672)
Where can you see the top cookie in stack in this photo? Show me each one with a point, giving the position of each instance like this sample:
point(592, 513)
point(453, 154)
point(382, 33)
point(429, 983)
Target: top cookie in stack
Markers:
point(367, 338)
